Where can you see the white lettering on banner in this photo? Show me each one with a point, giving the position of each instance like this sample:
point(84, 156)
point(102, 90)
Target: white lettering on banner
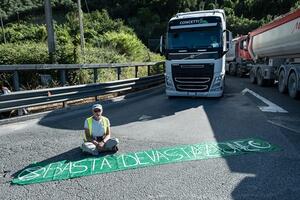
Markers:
point(105, 162)
point(67, 169)
point(48, 169)
point(197, 151)
point(161, 155)
point(140, 158)
point(33, 173)
point(185, 152)
point(213, 150)
point(84, 167)
point(153, 158)
point(173, 154)
point(259, 145)
point(60, 170)
point(129, 156)
point(93, 165)
point(233, 148)
point(250, 145)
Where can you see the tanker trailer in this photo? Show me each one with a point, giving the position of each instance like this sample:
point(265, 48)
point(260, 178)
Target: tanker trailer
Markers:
point(275, 49)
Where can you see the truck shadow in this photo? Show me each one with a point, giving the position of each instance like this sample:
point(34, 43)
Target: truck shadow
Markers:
point(145, 107)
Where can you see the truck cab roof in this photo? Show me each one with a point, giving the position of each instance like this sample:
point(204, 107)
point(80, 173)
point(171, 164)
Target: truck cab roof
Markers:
point(202, 13)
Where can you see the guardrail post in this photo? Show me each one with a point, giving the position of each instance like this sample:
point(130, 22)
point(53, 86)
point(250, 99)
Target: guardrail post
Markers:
point(119, 72)
point(16, 81)
point(95, 79)
point(148, 70)
point(65, 104)
point(62, 77)
point(136, 71)
point(95, 75)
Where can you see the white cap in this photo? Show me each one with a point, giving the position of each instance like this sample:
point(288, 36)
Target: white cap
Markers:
point(97, 106)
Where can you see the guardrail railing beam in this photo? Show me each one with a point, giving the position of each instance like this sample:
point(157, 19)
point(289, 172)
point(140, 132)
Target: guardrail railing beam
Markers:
point(29, 98)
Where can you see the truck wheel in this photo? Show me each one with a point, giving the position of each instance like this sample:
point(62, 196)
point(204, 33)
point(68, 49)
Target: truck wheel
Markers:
point(281, 86)
point(252, 77)
point(260, 79)
point(239, 71)
point(232, 70)
point(292, 86)
point(271, 82)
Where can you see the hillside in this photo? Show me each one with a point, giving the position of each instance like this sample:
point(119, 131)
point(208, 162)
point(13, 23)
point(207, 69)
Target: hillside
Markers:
point(149, 18)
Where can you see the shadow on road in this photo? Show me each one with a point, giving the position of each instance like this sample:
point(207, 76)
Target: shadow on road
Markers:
point(131, 110)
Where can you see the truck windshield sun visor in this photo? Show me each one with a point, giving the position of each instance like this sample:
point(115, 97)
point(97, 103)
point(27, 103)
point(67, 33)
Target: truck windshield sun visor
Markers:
point(195, 39)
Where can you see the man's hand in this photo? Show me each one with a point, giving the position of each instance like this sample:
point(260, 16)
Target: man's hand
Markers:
point(95, 142)
point(100, 146)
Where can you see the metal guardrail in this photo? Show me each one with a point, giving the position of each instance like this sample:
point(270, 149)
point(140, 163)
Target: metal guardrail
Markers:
point(63, 67)
point(23, 67)
point(23, 99)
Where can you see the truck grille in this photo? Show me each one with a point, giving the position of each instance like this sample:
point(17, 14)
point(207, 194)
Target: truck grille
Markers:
point(192, 77)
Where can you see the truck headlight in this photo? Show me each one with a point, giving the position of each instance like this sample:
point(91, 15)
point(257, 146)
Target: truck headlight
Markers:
point(169, 82)
point(218, 83)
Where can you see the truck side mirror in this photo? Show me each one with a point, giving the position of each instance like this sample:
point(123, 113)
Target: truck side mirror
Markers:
point(228, 41)
point(245, 45)
point(162, 45)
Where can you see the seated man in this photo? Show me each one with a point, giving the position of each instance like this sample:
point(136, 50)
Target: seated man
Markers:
point(97, 133)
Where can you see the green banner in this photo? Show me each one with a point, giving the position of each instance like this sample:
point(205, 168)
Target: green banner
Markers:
point(42, 172)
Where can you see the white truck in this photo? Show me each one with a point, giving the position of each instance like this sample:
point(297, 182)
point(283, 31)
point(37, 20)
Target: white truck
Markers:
point(195, 46)
point(275, 49)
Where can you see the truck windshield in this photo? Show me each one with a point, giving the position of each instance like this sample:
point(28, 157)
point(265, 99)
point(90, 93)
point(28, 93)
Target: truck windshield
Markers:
point(209, 37)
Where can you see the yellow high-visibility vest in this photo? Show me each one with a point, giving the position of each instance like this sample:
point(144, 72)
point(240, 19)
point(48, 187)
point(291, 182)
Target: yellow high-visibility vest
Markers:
point(104, 122)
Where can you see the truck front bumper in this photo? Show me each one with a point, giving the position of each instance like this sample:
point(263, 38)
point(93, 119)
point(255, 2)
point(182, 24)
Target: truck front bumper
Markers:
point(194, 94)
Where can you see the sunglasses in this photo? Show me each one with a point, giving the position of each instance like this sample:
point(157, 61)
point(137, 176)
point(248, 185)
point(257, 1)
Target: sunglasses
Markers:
point(97, 110)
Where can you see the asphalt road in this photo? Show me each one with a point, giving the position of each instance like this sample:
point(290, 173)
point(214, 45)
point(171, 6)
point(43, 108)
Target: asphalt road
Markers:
point(149, 121)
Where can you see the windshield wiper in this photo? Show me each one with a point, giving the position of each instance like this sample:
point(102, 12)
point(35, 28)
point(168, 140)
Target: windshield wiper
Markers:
point(195, 55)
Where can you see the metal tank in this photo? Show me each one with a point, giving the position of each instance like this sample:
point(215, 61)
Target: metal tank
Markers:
point(280, 38)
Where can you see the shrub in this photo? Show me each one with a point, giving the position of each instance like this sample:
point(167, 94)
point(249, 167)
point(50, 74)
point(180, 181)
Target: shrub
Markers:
point(26, 53)
point(16, 33)
point(127, 44)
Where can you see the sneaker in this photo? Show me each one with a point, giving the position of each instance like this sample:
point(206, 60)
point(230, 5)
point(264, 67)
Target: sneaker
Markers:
point(115, 149)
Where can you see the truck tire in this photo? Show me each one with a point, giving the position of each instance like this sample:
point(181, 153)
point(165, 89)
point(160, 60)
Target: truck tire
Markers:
point(260, 79)
point(292, 86)
point(281, 86)
point(252, 77)
point(239, 71)
point(232, 69)
point(271, 82)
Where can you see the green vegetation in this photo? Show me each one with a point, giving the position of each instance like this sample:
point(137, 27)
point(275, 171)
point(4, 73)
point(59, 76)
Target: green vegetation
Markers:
point(149, 18)
point(107, 41)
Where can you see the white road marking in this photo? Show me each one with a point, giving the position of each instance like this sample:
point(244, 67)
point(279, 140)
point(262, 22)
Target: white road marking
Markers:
point(145, 118)
point(272, 107)
point(283, 126)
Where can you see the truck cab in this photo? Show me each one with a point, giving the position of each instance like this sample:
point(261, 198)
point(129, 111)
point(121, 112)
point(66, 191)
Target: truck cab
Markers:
point(240, 59)
point(195, 48)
